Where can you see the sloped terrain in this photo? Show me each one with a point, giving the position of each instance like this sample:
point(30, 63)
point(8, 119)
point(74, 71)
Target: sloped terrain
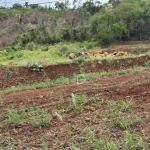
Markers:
point(106, 113)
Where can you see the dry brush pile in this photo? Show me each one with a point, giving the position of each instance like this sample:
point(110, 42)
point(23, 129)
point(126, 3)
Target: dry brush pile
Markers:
point(97, 54)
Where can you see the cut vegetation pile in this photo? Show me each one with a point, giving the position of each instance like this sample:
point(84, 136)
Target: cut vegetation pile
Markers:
point(97, 54)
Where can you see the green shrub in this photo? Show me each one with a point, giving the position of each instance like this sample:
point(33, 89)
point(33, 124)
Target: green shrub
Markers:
point(90, 45)
point(64, 49)
point(3, 15)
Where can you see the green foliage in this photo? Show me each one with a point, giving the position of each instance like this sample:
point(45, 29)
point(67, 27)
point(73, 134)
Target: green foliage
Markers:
point(79, 60)
point(17, 6)
point(133, 142)
point(9, 73)
point(40, 117)
point(92, 7)
point(81, 33)
point(106, 29)
point(61, 80)
point(147, 64)
point(34, 6)
point(92, 22)
point(90, 45)
point(104, 143)
point(64, 49)
point(3, 15)
point(121, 105)
point(130, 12)
point(80, 99)
point(122, 122)
point(110, 61)
point(15, 117)
point(23, 39)
point(37, 67)
point(31, 46)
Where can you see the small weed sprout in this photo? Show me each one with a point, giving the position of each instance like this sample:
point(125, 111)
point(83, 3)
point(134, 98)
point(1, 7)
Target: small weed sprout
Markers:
point(81, 78)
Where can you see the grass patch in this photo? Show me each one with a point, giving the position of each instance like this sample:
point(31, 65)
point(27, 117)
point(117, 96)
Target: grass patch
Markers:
point(104, 142)
point(39, 117)
point(76, 103)
point(110, 61)
point(15, 117)
point(121, 114)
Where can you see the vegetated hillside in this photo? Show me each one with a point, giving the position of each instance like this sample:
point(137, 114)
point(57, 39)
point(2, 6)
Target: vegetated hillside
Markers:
point(99, 24)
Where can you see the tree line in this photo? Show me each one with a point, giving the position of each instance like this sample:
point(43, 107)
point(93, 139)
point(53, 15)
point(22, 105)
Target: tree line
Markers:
point(91, 21)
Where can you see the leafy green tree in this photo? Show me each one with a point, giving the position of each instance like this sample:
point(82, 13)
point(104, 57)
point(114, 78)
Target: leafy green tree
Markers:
point(115, 3)
point(59, 5)
point(34, 6)
point(1, 7)
point(17, 6)
point(105, 28)
point(92, 7)
point(130, 14)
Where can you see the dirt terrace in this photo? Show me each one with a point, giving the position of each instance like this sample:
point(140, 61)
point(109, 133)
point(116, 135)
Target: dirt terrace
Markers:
point(14, 76)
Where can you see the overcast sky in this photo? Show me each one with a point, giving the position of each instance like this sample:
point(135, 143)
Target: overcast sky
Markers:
point(9, 3)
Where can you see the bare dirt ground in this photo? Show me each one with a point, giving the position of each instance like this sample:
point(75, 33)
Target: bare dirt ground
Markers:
point(75, 127)
point(125, 87)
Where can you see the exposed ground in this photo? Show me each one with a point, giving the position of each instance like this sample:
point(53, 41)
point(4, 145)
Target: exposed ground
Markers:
point(79, 126)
